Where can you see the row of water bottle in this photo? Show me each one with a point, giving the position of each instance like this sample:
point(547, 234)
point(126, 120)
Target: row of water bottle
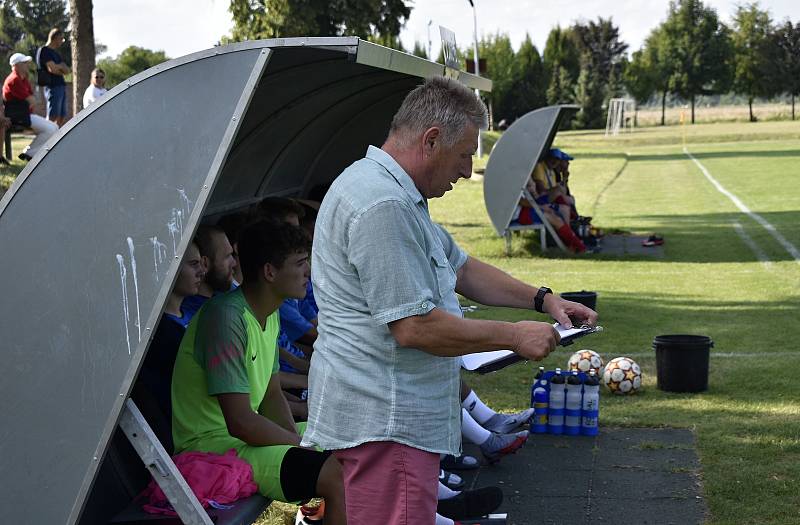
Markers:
point(566, 404)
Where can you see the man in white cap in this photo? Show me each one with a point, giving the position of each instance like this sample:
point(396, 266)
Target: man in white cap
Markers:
point(20, 104)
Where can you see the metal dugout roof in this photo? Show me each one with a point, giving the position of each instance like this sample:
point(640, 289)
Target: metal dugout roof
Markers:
point(513, 158)
point(93, 228)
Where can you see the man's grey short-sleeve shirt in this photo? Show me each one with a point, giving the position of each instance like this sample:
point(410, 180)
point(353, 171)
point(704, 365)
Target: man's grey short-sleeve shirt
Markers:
point(378, 258)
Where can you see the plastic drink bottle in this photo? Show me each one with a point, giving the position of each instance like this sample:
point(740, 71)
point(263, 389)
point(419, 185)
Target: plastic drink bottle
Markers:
point(555, 409)
point(540, 397)
point(590, 409)
point(536, 380)
point(572, 411)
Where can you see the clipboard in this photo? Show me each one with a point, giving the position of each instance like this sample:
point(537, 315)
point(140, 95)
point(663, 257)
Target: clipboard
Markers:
point(485, 362)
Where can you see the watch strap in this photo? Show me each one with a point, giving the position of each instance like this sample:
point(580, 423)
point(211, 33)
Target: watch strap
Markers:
point(538, 301)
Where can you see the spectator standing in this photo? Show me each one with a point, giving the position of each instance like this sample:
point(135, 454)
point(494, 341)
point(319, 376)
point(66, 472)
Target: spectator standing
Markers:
point(97, 87)
point(384, 380)
point(55, 92)
point(20, 103)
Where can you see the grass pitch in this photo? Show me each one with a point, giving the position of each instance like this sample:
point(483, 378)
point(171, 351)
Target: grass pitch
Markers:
point(736, 284)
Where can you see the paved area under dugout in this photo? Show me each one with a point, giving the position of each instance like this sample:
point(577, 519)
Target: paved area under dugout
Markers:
point(623, 475)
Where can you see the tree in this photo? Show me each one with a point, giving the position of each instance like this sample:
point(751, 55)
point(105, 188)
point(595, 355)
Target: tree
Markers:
point(560, 90)
point(131, 61)
point(697, 49)
point(35, 20)
point(638, 78)
point(602, 53)
point(589, 95)
point(24, 25)
point(254, 19)
point(657, 60)
point(419, 49)
point(561, 61)
point(600, 46)
point(560, 51)
point(615, 87)
point(530, 84)
point(83, 52)
point(751, 38)
point(785, 56)
point(501, 67)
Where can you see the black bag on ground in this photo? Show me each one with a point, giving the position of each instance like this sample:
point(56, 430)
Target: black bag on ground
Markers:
point(19, 111)
point(43, 76)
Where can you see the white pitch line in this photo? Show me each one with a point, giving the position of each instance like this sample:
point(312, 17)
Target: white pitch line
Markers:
point(789, 247)
point(759, 253)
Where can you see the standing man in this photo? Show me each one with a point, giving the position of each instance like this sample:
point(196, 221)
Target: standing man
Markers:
point(384, 380)
point(96, 89)
point(55, 92)
point(20, 103)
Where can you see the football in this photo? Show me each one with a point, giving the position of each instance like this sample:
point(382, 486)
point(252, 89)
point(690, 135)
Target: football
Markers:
point(623, 376)
point(586, 360)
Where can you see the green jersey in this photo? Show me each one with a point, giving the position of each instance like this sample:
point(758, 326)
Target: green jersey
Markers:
point(223, 351)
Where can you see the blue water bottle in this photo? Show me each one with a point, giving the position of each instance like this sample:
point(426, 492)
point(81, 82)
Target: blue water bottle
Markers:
point(590, 409)
point(555, 408)
point(572, 411)
point(539, 402)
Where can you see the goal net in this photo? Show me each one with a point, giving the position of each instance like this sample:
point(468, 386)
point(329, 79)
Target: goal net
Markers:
point(620, 115)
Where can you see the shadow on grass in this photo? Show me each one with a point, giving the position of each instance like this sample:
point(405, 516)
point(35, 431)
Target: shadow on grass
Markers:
point(633, 320)
point(713, 155)
point(697, 238)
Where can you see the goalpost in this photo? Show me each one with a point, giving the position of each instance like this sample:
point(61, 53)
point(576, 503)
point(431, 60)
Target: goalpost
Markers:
point(620, 115)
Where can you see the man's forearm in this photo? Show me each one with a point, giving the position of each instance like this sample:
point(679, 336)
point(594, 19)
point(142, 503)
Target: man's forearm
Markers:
point(444, 334)
point(488, 285)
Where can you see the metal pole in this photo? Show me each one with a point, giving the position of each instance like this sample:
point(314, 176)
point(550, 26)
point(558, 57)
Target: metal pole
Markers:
point(477, 67)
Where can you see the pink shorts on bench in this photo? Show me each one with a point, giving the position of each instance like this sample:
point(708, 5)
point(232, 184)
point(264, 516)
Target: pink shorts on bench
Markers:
point(388, 483)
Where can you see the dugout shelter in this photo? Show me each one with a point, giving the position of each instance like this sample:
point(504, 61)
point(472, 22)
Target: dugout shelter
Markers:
point(93, 229)
point(511, 162)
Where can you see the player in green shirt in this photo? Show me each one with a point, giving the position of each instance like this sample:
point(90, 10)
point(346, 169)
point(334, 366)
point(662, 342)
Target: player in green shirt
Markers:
point(225, 390)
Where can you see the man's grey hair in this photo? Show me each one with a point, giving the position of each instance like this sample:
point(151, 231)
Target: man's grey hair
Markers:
point(440, 102)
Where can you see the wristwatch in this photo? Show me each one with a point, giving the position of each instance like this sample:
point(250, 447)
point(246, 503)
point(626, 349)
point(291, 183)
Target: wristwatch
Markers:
point(538, 301)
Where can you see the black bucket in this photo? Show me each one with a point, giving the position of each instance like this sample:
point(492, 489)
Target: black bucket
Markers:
point(585, 298)
point(682, 362)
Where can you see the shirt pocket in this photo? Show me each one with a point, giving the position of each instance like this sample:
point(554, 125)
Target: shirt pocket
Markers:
point(445, 276)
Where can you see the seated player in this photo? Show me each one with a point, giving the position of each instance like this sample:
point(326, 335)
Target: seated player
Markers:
point(488, 418)
point(540, 182)
point(558, 192)
point(298, 317)
point(220, 264)
point(225, 392)
point(233, 224)
point(155, 376)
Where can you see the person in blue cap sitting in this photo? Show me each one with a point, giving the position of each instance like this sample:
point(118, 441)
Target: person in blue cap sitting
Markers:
point(543, 180)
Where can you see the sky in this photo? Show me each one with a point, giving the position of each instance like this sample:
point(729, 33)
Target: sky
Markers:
point(180, 27)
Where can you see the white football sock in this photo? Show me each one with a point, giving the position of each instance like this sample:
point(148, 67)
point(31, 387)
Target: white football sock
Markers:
point(477, 409)
point(471, 430)
point(441, 520)
point(446, 492)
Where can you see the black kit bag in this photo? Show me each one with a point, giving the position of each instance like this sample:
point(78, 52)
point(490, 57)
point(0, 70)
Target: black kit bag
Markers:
point(43, 76)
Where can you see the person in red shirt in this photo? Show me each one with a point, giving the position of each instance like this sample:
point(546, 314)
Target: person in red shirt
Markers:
point(20, 104)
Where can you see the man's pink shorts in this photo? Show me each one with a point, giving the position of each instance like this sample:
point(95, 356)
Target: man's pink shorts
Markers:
point(389, 483)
